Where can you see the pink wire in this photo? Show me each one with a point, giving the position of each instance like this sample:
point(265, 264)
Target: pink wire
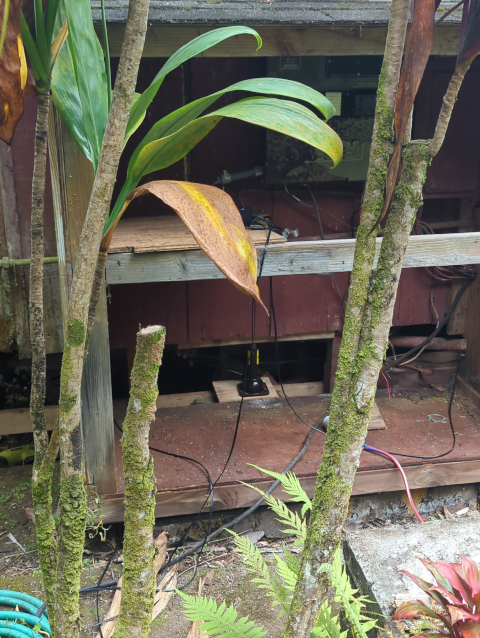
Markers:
point(386, 381)
point(400, 469)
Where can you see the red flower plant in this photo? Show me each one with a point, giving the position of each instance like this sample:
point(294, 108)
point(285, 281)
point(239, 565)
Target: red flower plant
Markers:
point(457, 591)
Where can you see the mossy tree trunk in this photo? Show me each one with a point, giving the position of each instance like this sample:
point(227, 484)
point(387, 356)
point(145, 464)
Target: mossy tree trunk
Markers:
point(45, 452)
point(73, 502)
point(368, 320)
point(138, 582)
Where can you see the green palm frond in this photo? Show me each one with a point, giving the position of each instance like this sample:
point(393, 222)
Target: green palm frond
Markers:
point(291, 486)
point(256, 565)
point(220, 621)
point(327, 626)
point(353, 606)
point(296, 525)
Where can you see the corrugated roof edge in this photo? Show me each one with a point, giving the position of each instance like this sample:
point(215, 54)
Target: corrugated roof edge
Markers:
point(262, 12)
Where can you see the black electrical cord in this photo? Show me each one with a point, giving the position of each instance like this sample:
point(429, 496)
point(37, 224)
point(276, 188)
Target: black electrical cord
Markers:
point(256, 505)
point(454, 436)
point(407, 355)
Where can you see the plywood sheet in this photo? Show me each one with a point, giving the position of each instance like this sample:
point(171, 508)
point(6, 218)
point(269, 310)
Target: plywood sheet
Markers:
point(18, 420)
point(270, 435)
point(226, 391)
point(376, 420)
point(167, 233)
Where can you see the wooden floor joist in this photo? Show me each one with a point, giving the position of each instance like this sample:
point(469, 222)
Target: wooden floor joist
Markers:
point(189, 501)
point(292, 258)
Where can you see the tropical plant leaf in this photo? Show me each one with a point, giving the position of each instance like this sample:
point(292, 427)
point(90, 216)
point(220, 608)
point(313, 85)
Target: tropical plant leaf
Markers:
point(50, 19)
point(268, 86)
point(417, 52)
point(282, 116)
point(40, 73)
point(414, 608)
point(437, 596)
point(217, 620)
point(43, 47)
point(13, 72)
point(188, 51)
point(90, 76)
point(58, 43)
point(327, 626)
point(291, 486)
point(288, 576)
point(470, 629)
point(3, 30)
point(65, 93)
point(470, 46)
point(216, 224)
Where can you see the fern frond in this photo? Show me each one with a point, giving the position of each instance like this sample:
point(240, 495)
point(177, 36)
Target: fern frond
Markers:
point(292, 562)
point(288, 576)
point(291, 486)
point(219, 621)
point(295, 524)
point(256, 565)
point(327, 626)
point(352, 605)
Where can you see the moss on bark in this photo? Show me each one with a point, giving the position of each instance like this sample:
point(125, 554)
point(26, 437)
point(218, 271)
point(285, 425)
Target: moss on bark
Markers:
point(138, 582)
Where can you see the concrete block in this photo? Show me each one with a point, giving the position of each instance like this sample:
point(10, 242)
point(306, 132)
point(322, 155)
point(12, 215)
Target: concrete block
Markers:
point(374, 556)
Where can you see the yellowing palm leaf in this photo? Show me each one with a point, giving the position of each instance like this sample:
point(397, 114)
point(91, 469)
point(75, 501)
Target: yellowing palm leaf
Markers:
point(216, 224)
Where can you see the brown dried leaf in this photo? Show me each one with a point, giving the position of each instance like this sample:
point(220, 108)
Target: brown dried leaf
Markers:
point(13, 73)
point(215, 222)
point(417, 52)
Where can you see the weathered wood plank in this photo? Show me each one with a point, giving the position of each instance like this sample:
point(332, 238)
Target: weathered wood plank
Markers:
point(305, 336)
point(293, 258)
point(289, 40)
point(18, 421)
point(189, 501)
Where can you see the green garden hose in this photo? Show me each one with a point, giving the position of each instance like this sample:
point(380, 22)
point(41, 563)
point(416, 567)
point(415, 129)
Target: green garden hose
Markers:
point(30, 620)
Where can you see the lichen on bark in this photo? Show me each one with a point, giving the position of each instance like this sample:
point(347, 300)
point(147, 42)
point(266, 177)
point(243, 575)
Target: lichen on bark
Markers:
point(138, 582)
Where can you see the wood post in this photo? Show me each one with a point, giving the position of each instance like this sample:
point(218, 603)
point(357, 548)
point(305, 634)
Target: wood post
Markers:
point(72, 180)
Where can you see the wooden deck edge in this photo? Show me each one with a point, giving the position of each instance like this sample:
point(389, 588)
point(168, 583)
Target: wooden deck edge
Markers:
point(189, 501)
point(469, 390)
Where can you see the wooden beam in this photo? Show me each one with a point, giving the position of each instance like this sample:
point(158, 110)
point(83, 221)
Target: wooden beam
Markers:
point(216, 343)
point(18, 421)
point(293, 258)
point(72, 180)
point(189, 501)
point(163, 41)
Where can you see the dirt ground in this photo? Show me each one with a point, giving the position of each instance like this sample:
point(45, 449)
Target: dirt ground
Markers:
point(19, 570)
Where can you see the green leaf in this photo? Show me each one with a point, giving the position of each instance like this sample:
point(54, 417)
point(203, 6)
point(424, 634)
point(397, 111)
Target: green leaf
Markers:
point(218, 621)
point(65, 91)
point(39, 72)
point(291, 485)
point(42, 46)
point(89, 65)
point(256, 565)
point(327, 626)
point(50, 17)
point(282, 116)
point(188, 51)
point(130, 131)
point(174, 121)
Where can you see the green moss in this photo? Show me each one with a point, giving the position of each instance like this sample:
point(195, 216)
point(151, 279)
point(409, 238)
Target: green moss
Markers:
point(75, 333)
point(67, 400)
point(45, 531)
point(73, 504)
